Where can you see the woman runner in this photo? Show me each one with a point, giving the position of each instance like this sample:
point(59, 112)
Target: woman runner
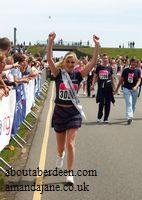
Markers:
point(105, 78)
point(131, 79)
point(66, 118)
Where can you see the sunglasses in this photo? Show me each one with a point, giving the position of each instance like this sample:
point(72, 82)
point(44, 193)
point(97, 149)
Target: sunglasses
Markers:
point(72, 62)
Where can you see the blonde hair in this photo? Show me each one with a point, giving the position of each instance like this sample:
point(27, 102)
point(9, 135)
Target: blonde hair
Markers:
point(67, 55)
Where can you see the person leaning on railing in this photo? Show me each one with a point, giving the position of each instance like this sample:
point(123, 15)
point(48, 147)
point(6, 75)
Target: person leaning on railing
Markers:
point(17, 72)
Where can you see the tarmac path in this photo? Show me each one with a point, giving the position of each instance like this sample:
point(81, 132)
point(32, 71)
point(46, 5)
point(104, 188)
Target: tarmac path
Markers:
point(111, 151)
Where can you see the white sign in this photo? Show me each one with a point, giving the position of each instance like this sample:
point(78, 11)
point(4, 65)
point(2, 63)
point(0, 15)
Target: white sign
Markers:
point(7, 108)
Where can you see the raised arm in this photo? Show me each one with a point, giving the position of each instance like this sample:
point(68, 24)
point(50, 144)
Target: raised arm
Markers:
point(93, 62)
point(50, 60)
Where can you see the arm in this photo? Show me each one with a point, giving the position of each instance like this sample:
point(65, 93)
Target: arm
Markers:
point(119, 83)
point(4, 86)
point(113, 81)
point(95, 79)
point(91, 64)
point(22, 80)
point(7, 67)
point(137, 84)
point(34, 72)
point(50, 60)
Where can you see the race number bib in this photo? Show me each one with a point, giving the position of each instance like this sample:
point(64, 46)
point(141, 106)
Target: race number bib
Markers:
point(130, 78)
point(63, 95)
point(63, 92)
point(103, 74)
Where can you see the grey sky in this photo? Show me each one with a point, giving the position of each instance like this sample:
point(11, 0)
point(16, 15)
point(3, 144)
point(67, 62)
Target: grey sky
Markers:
point(116, 22)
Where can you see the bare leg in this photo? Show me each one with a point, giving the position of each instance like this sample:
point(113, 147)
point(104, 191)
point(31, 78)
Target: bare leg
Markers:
point(70, 145)
point(84, 87)
point(61, 139)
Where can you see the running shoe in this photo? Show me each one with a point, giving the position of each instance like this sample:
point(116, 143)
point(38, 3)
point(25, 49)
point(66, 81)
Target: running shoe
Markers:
point(106, 121)
point(69, 180)
point(93, 96)
point(129, 121)
point(59, 161)
point(98, 120)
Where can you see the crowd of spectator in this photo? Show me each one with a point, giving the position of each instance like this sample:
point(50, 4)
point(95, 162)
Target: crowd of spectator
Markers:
point(16, 66)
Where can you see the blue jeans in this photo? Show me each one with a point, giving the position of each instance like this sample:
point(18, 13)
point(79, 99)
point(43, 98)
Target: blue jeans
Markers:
point(130, 100)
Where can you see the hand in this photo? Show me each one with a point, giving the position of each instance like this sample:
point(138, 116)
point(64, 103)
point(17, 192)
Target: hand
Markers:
point(16, 84)
point(115, 92)
point(96, 39)
point(51, 36)
point(25, 80)
point(134, 88)
point(15, 65)
point(6, 91)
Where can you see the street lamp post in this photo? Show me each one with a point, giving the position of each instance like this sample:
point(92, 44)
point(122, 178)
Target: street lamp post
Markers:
point(15, 29)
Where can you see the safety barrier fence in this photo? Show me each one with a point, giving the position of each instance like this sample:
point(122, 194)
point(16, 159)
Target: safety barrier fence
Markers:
point(16, 106)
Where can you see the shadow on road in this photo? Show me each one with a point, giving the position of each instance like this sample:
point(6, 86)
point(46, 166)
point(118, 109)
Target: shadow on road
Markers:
point(119, 122)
